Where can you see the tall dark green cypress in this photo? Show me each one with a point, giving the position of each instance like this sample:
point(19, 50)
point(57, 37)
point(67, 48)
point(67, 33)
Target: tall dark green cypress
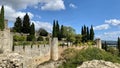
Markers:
point(88, 34)
point(58, 30)
point(85, 34)
point(54, 34)
point(91, 33)
point(105, 46)
point(118, 45)
point(82, 33)
point(32, 29)
point(18, 25)
point(2, 25)
point(62, 32)
point(26, 24)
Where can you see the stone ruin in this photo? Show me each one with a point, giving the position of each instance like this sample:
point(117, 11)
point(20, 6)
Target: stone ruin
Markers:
point(98, 43)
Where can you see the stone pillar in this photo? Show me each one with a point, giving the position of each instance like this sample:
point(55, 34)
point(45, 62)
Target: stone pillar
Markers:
point(6, 24)
point(54, 49)
point(98, 43)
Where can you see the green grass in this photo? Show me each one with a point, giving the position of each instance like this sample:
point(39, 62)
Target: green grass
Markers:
point(76, 57)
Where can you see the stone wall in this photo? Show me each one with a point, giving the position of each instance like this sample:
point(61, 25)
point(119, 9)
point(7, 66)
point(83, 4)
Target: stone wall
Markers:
point(6, 40)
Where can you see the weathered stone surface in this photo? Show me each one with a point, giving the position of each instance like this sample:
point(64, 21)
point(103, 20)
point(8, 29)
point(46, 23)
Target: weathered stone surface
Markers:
point(99, 64)
point(11, 60)
point(51, 64)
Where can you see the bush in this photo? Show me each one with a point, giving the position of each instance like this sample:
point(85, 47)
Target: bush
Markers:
point(113, 50)
point(30, 37)
point(78, 57)
point(47, 39)
point(19, 38)
point(40, 38)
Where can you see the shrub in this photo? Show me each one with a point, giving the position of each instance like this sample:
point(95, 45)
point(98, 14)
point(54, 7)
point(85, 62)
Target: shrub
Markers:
point(40, 38)
point(30, 37)
point(19, 38)
point(78, 57)
point(113, 50)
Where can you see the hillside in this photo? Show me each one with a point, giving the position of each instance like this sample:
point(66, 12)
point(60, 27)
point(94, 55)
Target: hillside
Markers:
point(75, 58)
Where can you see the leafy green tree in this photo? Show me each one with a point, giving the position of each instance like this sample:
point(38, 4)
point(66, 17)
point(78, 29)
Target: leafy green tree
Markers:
point(2, 26)
point(43, 32)
point(69, 33)
point(78, 39)
point(91, 33)
point(18, 25)
point(26, 24)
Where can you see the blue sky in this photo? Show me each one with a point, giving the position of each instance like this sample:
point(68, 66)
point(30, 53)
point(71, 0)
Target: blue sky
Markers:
point(104, 15)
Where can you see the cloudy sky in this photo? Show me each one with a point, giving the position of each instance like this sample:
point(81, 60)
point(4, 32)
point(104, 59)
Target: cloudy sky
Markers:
point(104, 15)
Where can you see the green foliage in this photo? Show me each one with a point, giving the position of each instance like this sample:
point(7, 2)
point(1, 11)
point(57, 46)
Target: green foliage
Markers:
point(2, 26)
point(91, 33)
point(56, 30)
point(113, 50)
point(62, 32)
point(74, 58)
point(78, 39)
point(47, 39)
point(40, 38)
point(18, 25)
point(19, 38)
point(43, 32)
point(32, 29)
point(30, 37)
point(26, 24)
point(118, 45)
point(87, 35)
point(104, 46)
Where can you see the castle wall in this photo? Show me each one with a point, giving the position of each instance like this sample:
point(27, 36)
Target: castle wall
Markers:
point(6, 40)
point(36, 54)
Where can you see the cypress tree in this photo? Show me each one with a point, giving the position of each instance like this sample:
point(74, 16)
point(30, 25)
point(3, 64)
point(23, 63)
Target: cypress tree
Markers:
point(82, 33)
point(31, 37)
point(91, 33)
point(62, 32)
point(85, 34)
point(58, 30)
point(105, 46)
point(26, 24)
point(88, 35)
point(118, 45)
point(2, 25)
point(54, 29)
point(32, 29)
point(18, 25)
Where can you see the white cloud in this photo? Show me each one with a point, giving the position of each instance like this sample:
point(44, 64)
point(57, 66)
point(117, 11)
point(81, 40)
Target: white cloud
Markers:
point(46, 4)
point(45, 25)
point(12, 14)
point(72, 5)
point(113, 35)
point(53, 5)
point(102, 27)
point(114, 22)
